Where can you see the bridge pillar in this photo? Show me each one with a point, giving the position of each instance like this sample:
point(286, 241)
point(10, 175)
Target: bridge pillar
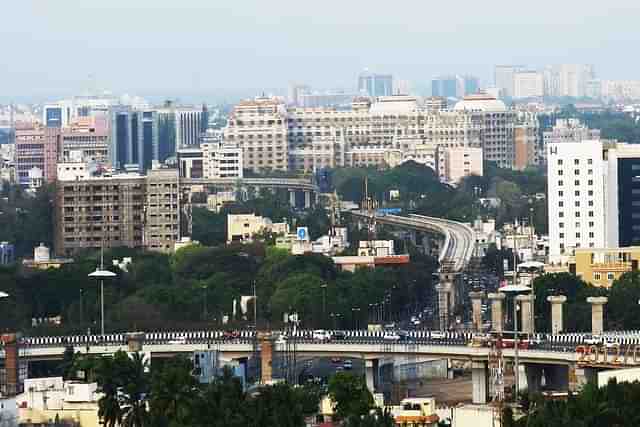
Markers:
point(497, 317)
point(526, 313)
point(557, 302)
point(307, 199)
point(480, 379)
point(135, 341)
point(266, 341)
point(11, 344)
point(597, 318)
point(476, 306)
point(292, 198)
point(444, 292)
point(533, 376)
point(371, 374)
point(579, 376)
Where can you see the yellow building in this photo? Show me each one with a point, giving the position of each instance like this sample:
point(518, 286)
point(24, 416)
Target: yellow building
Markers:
point(601, 267)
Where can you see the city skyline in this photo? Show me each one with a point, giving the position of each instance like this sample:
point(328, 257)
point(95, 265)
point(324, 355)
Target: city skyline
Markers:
point(191, 49)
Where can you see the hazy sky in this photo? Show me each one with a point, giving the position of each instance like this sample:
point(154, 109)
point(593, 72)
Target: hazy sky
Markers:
point(186, 46)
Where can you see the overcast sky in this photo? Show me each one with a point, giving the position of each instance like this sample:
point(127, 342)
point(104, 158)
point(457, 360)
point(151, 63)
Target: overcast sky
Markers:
point(186, 46)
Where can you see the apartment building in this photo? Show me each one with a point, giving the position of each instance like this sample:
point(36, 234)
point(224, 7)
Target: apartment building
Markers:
point(221, 160)
point(259, 128)
point(601, 267)
point(125, 210)
point(82, 141)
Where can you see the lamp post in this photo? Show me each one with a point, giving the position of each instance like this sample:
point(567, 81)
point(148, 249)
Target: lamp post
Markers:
point(205, 311)
point(324, 303)
point(515, 290)
point(355, 314)
point(101, 274)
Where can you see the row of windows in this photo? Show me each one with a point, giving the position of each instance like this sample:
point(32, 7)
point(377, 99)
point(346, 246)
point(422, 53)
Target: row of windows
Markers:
point(576, 182)
point(577, 214)
point(577, 224)
point(578, 235)
point(598, 276)
point(576, 193)
point(577, 203)
point(576, 172)
point(575, 161)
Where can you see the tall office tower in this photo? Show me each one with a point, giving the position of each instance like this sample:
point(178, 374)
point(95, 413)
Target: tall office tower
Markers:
point(188, 122)
point(167, 142)
point(133, 136)
point(568, 79)
point(623, 195)
point(527, 141)
point(126, 210)
point(467, 85)
point(294, 96)
point(565, 130)
point(372, 84)
point(528, 84)
point(504, 78)
point(576, 198)
point(444, 86)
point(259, 128)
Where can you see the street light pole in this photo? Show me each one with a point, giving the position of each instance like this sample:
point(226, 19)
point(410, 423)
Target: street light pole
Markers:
point(324, 303)
point(101, 274)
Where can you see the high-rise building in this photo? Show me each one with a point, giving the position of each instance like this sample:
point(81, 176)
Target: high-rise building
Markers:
point(294, 97)
point(467, 85)
point(594, 196)
point(134, 134)
point(528, 84)
point(576, 198)
point(504, 78)
point(36, 149)
point(167, 141)
point(372, 84)
point(569, 80)
point(56, 115)
point(444, 86)
point(189, 125)
point(127, 210)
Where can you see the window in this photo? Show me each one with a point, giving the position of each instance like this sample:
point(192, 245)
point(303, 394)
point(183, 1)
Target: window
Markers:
point(590, 192)
point(591, 235)
point(577, 193)
point(590, 161)
point(590, 223)
point(561, 193)
point(590, 202)
point(560, 162)
point(610, 276)
point(591, 213)
point(576, 161)
point(577, 214)
point(577, 235)
point(596, 275)
point(590, 172)
point(561, 214)
point(590, 182)
point(577, 203)
point(576, 172)
point(577, 225)
point(560, 172)
point(576, 182)
point(562, 235)
point(561, 225)
point(560, 183)
point(560, 203)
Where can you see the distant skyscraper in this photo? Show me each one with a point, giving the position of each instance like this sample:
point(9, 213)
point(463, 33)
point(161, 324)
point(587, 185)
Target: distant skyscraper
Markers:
point(444, 86)
point(372, 84)
point(134, 134)
point(166, 144)
point(570, 80)
point(504, 78)
point(528, 84)
point(468, 85)
point(294, 97)
point(56, 115)
point(188, 126)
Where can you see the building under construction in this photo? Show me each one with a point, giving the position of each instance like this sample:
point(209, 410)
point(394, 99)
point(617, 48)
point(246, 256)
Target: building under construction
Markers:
point(124, 210)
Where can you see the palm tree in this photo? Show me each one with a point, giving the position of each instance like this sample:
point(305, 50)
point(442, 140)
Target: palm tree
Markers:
point(174, 391)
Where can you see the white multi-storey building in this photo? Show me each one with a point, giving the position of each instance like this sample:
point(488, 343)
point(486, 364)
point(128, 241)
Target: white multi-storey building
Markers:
point(384, 133)
point(566, 130)
point(528, 84)
point(221, 160)
point(576, 185)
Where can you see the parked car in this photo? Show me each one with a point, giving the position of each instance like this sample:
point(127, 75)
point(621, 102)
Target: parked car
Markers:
point(347, 365)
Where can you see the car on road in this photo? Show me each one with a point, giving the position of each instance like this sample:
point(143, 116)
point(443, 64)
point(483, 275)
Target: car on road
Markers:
point(321, 335)
point(336, 360)
point(347, 365)
point(437, 335)
point(178, 340)
point(229, 335)
point(592, 339)
point(391, 336)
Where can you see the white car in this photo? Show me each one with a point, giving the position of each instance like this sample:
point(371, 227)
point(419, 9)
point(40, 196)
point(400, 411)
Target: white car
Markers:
point(178, 340)
point(391, 336)
point(592, 340)
point(321, 335)
point(437, 335)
